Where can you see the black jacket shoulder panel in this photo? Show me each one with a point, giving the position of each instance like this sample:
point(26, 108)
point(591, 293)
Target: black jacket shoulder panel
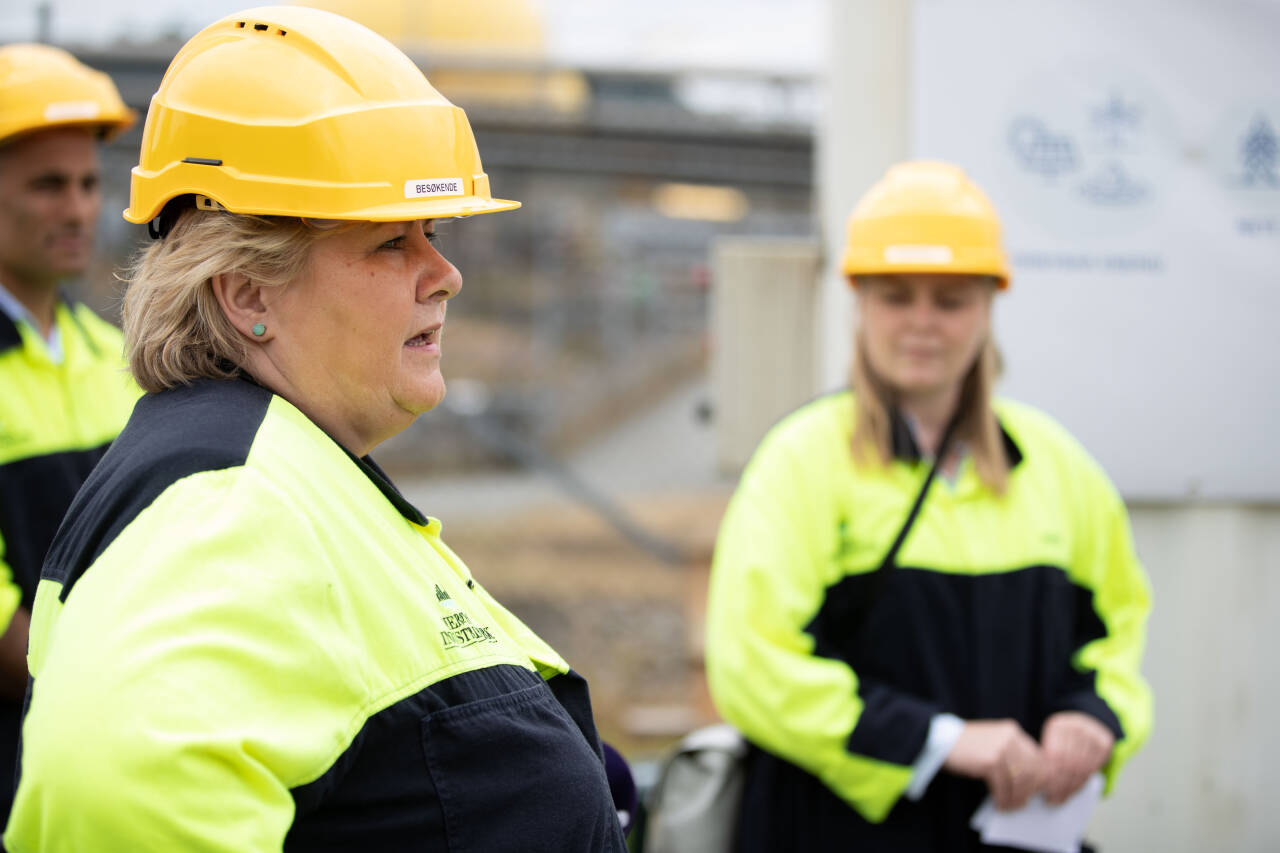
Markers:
point(207, 426)
point(9, 335)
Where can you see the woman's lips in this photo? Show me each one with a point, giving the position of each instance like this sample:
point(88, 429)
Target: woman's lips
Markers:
point(428, 339)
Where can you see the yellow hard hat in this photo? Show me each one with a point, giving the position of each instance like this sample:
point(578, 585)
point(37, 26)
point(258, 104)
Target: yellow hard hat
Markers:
point(43, 87)
point(290, 111)
point(925, 217)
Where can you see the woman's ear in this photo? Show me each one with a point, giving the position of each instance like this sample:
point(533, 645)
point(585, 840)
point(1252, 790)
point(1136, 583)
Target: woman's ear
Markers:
point(241, 301)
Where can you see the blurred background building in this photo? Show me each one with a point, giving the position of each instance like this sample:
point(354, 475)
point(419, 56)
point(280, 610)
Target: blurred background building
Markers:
point(663, 296)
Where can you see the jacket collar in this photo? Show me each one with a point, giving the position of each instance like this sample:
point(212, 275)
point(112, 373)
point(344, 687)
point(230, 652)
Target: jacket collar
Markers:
point(388, 489)
point(903, 440)
point(10, 337)
point(367, 466)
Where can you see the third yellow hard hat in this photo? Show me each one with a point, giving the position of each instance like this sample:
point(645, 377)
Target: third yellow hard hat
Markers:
point(289, 111)
point(43, 87)
point(929, 217)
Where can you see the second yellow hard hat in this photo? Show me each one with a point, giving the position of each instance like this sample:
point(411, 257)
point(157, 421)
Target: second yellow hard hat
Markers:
point(925, 217)
point(43, 87)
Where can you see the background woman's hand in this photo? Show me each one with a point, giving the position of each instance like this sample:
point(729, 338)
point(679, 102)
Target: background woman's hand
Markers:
point(1075, 745)
point(1004, 756)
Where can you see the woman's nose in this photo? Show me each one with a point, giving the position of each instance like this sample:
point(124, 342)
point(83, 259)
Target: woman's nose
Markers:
point(921, 312)
point(440, 279)
point(82, 203)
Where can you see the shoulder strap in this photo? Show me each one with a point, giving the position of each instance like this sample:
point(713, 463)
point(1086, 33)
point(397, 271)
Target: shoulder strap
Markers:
point(880, 576)
point(888, 562)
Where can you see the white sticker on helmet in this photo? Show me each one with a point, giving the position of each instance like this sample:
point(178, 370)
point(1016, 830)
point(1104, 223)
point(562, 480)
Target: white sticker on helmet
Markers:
point(429, 187)
point(71, 110)
point(916, 254)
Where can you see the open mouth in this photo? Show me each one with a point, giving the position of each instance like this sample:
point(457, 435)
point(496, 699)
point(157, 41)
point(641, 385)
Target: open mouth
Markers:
point(425, 338)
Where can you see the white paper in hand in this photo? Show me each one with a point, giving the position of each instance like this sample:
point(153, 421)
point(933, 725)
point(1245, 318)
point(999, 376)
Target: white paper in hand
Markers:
point(1038, 825)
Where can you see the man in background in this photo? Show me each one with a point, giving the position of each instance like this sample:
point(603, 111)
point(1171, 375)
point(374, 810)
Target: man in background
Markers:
point(64, 393)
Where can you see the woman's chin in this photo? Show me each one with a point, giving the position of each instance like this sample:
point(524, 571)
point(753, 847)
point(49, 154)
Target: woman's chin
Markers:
point(423, 397)
point(919, 382)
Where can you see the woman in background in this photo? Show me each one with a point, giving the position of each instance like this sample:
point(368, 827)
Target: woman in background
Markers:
point(893, 666)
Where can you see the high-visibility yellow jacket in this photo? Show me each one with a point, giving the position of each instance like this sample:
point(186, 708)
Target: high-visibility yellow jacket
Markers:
point(56, 420)
point(245, 638)
point(999, 607)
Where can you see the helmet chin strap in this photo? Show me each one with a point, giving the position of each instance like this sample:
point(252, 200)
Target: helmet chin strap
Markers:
point(160, 227)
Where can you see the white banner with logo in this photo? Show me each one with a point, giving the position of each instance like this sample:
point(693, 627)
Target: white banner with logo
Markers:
point(1133, 150)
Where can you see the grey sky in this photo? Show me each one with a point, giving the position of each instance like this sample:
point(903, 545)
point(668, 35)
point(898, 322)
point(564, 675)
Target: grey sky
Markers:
point(740, 34)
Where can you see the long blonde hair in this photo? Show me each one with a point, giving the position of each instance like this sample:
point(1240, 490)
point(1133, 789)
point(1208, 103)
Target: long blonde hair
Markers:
point(976, 422)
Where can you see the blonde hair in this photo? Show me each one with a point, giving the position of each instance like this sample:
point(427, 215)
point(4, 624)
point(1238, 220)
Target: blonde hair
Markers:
point(976, 422)
point(174, 329)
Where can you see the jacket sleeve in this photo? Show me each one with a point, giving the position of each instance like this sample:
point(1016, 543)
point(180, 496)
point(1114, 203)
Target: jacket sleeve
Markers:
point(178, 696)
point(10, 594)
point(1107, 681)
point(768, 580)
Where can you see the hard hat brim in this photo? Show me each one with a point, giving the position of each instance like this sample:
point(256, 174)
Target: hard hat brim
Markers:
point(45, 88)
point(105, 128)
point(450, 208)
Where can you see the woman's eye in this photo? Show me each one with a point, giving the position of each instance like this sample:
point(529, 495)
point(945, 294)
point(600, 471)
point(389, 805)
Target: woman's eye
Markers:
point(399, 242)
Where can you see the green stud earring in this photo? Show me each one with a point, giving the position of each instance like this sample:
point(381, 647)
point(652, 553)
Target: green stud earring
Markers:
point(259, 329)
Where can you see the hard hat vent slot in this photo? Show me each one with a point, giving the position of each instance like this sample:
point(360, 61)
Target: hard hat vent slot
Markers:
point(262, 28)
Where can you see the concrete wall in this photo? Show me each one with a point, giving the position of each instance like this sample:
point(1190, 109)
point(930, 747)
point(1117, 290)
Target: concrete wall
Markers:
point(762, 359)
point(862, 130)
point(1204, 781)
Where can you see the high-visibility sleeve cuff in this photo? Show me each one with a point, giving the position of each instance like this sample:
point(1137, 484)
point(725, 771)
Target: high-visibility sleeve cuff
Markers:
point(10, 600)
point(1095, 706)
point(944, 731)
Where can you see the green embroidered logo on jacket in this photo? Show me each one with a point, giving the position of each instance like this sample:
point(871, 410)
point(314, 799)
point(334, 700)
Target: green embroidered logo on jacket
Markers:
point(460, 631)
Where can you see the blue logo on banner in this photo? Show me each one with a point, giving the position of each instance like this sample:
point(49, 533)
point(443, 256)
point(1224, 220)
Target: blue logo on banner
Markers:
point(1039, 150)
point(1092, 149)
point(1117, 122)
point(1113, 187)
point(1259, 154)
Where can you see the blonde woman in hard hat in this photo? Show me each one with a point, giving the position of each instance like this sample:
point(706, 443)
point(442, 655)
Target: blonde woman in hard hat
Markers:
point(64, 394)
point(245, 638)
point(922, 596)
